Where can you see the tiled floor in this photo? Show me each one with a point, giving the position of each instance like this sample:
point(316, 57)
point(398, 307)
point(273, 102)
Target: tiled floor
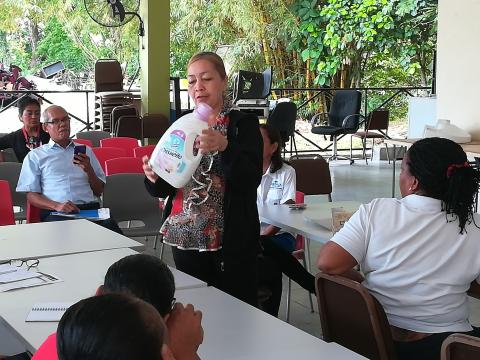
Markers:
point(359, 182)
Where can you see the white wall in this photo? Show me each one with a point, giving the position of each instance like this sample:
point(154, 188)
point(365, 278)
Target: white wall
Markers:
point(458, 64)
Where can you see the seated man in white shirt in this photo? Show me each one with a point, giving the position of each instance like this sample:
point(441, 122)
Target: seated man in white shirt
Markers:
point(57, 180)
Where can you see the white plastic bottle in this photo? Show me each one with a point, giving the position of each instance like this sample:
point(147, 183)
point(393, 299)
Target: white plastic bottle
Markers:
point(174, 158)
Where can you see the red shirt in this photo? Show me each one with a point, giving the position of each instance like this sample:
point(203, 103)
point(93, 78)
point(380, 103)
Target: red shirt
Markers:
point(48, 350)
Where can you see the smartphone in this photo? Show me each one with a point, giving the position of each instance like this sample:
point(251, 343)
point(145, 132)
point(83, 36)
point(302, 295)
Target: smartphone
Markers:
point(79, 149)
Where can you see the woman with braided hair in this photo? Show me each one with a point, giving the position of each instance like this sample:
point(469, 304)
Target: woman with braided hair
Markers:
point(419, 254)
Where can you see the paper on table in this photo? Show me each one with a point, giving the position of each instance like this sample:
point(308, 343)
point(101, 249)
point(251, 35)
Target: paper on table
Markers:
point(48, 311)
point(100, 214)
point(339, 217)
point(41, 279)
point(10, 273)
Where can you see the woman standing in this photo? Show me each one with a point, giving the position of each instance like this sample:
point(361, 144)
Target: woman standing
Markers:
point(31, 135)
point(213, 225)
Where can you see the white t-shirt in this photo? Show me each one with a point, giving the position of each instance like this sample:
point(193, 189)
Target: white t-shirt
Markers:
point(415, 262)
point(277, 188)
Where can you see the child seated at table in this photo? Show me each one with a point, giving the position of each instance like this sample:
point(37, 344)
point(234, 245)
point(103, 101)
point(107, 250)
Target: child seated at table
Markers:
point(149, 279)
point(278, 186)
point(112, 326)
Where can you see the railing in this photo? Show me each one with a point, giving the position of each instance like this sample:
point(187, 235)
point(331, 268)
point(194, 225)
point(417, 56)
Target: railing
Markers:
point(408, 90)
point(391, 93)
point(181, 100)
point(85, 119)
point(366, 91)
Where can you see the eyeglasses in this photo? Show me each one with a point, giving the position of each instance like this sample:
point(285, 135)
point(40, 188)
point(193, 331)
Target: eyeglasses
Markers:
point(57, 122)
point(174, 301)
point(29, 263)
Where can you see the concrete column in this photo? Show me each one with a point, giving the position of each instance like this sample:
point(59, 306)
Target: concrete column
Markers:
point(155, 57)
point(458, 68)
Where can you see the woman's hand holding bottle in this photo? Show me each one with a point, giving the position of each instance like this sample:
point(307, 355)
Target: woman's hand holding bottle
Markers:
point(147, 169)
point(212, 140)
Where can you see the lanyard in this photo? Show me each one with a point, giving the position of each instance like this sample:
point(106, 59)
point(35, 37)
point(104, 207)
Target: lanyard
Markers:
point(31, 142)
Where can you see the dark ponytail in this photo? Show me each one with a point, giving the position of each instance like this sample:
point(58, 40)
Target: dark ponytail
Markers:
point(274, 137)
point(442, 170)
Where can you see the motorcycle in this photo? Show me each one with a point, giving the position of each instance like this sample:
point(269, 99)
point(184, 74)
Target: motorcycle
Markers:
point(12, 79)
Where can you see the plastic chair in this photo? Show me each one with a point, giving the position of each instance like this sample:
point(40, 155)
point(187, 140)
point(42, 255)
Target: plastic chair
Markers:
point(343, 118)
point(124, 165)
point(106, 153)
point(353, 318)
point(299, 254)
point(283, 118)
point(154, 125)
point(108, 75)
point(6, 205)
point(313, 175)
point(460, 347)
point(10, 171)
point(126, 143)
point(313, 178)
point(128, 200)
point(141, 151)
point(83, 142)
point(376, 127)
point(129, 126)
point(119, 111)
point(33, 213)
point(9, 155)
point(93, 136)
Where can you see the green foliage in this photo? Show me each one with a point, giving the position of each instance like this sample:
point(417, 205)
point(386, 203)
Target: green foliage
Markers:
point(256, 33)
point(341, 35)
point(57, 46)
point(308, 43)
point(66, 33)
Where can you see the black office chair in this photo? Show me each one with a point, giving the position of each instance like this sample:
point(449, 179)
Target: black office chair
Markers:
point(343, 118)
point(283, 119)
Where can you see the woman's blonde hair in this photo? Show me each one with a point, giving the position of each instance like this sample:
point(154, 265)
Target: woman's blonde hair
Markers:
point(212, 58)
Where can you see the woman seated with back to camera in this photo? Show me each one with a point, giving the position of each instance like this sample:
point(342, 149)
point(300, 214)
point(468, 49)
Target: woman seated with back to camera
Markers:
point(419, 254)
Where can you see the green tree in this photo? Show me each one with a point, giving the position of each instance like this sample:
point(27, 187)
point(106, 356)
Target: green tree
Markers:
point(57, 46)
point(339, 37)
point(257, 33)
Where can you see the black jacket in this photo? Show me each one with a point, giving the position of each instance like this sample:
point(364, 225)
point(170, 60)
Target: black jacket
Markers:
point(242, 164)
point(16, 141)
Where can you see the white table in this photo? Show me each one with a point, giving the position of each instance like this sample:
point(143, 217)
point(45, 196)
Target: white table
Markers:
point(235, 330)
point(297, 220)
point(40, 240)
point(82, 274)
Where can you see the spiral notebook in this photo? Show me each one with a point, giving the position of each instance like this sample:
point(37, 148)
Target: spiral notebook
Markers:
point(48, 311)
